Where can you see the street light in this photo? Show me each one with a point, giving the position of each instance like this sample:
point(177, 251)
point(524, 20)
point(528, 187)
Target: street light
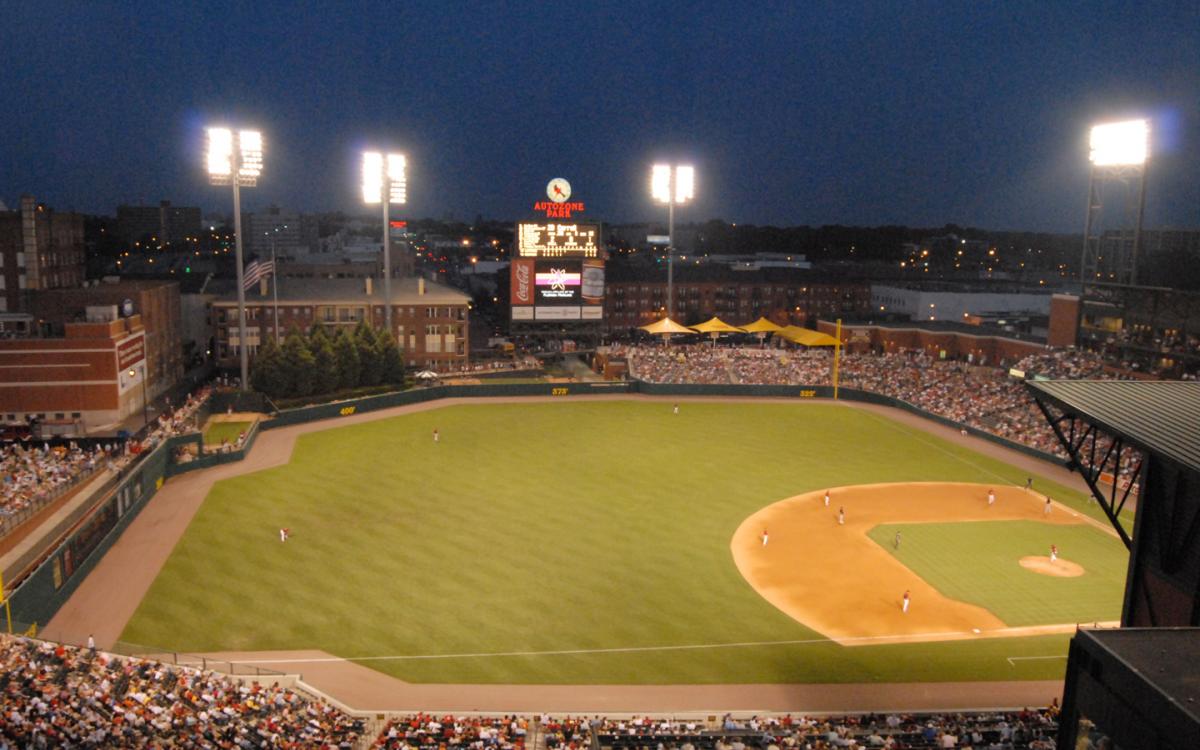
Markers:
point(145, 403)
point(235, 158)
point(392, 182)
point(672, 185)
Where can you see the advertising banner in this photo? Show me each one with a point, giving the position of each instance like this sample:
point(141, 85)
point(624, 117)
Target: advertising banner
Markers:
point(521, 280)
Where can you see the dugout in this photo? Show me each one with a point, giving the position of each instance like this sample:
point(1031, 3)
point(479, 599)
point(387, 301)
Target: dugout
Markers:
point(1134, 689)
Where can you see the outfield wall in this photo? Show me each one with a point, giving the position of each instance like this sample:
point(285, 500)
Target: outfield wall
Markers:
point(41, 594)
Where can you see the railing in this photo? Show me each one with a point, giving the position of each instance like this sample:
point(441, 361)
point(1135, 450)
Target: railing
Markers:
point(10, 520)
point(195, 661)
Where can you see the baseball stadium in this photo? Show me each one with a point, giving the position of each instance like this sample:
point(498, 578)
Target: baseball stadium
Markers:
point(670, 546)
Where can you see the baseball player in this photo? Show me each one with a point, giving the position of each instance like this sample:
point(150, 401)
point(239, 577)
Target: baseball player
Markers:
point(1028, 483)
point(764, 537)
point(675, 409)
point(435, 435)
point(1046, 507)
point(896, 542)
point(1053, 553)
point(842, 516)
point(991, 497)
point(905, 601)
point(826, 498)
point(284, 533)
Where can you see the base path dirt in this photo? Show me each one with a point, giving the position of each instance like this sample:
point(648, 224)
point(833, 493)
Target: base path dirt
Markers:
point(107, 599)
point(833, 578)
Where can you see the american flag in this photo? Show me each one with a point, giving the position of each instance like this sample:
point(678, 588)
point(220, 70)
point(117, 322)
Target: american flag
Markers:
point(256, 271)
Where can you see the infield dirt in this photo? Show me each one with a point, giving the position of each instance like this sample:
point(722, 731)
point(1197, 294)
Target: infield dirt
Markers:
point(834, 579)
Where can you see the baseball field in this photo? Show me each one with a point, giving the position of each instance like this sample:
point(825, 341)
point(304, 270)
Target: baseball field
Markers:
point(616, 542)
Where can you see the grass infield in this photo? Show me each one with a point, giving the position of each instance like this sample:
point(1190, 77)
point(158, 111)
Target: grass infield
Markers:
point(978, 563)
point(571, 543)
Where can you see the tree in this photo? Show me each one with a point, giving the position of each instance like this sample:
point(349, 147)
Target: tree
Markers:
point(268, 376)
point(297, 365)
point(349, 366)
point(325, 376)
point(392, 360)
point(369, 356)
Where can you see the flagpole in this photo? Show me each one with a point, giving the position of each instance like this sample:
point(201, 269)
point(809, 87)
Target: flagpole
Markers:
point(275, 288)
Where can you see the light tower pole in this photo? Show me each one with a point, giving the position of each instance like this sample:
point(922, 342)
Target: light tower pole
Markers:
point(235, 158)
point(672, 185)
point(1118, 154)
point(385, 186)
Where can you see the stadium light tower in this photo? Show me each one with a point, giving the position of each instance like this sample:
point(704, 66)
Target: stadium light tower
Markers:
point(235, 157)
point(672, 185)
point(1119, 151)
point(386, 186)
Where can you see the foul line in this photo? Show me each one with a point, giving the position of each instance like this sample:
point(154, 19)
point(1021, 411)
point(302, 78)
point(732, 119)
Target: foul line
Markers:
point(922, 436)
point(939, 636)
point(1012, 659)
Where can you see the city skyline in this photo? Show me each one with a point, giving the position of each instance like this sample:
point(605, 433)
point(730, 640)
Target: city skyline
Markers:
point(866, 115)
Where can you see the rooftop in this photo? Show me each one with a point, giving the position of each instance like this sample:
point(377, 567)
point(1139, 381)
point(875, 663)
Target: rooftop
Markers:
point(351, 291)
point(1158, 416)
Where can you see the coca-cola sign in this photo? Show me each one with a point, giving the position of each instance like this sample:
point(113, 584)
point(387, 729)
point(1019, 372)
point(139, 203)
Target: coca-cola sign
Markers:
point(521, 280)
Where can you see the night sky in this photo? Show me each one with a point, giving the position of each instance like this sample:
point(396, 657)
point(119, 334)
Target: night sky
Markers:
point(793, 113)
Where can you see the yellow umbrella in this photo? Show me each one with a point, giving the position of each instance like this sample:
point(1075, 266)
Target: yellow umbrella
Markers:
point(715, 327)
point(761, 328)
point(806, 337)
point(665, 326)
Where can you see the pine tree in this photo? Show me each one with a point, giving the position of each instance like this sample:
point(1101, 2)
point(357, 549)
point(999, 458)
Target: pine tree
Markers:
point(297, 365)
point(325, 367)
point(267, 375)
point(393, 360)
point(348, 365)
point(368, 355)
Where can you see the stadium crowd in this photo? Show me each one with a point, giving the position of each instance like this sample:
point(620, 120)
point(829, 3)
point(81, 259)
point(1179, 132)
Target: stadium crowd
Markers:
point(982, 397)
point(33, 475)
point(451, 733)
point(52, 695)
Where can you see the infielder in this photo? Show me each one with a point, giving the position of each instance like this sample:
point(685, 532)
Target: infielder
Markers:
point(842, 516)
point(904, 602)
point(1046, 507)
point(764, 538)
point(1053, 553)
point(991, 497)
point(826, 498)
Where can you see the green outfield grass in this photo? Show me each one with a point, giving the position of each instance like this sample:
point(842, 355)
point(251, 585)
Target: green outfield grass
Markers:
point(978, 563)
point(218, 431)
point(570, 542)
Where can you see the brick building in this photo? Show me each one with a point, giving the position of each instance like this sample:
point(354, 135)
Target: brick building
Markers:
point(938, 339)
point(431, 320)
point(155, 303)
point(39, 249)
point(163, 224)
point(737, 297)
point(91, 377)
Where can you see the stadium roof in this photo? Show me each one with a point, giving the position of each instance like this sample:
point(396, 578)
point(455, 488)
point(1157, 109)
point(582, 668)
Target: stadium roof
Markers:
point(1161, 416)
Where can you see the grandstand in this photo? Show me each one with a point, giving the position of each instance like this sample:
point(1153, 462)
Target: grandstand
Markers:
point(142, 701)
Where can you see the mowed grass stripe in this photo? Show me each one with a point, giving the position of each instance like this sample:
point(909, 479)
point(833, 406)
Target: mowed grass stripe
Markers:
point(540, 527)
point(978, 562)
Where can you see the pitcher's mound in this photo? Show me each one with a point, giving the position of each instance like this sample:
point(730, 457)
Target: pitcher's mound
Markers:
point(1060, 567)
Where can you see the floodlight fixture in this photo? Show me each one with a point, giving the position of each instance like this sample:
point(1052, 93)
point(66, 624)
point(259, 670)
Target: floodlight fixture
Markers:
point(374, 177)
point(672, 185)
point(231, 152)
point(660, 183)
point(1117, 144)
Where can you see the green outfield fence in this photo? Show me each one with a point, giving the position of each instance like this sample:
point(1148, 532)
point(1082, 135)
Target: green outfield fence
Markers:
point(71, 557)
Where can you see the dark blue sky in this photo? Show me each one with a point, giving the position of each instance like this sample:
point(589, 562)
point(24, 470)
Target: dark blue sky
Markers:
point(793, 113)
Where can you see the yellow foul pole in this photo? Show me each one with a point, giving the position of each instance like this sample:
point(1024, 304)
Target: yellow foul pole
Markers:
point(837, 356)
point(7, 609)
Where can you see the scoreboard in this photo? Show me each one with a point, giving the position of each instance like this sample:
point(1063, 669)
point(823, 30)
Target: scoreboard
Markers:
point(558, 274)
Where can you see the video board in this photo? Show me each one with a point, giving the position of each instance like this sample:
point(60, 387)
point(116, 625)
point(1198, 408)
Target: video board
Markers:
point(557, 289)
point(551, 239)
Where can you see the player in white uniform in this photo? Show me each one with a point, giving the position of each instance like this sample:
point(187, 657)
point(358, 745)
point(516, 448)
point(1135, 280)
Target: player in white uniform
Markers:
point(842, 516)
point(1053, 553)
point(991, 497)
point(904, 602)
point(764, 537)
point(826, 498)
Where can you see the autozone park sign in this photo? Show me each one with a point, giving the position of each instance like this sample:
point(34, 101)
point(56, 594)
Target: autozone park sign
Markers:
point(131, 351)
